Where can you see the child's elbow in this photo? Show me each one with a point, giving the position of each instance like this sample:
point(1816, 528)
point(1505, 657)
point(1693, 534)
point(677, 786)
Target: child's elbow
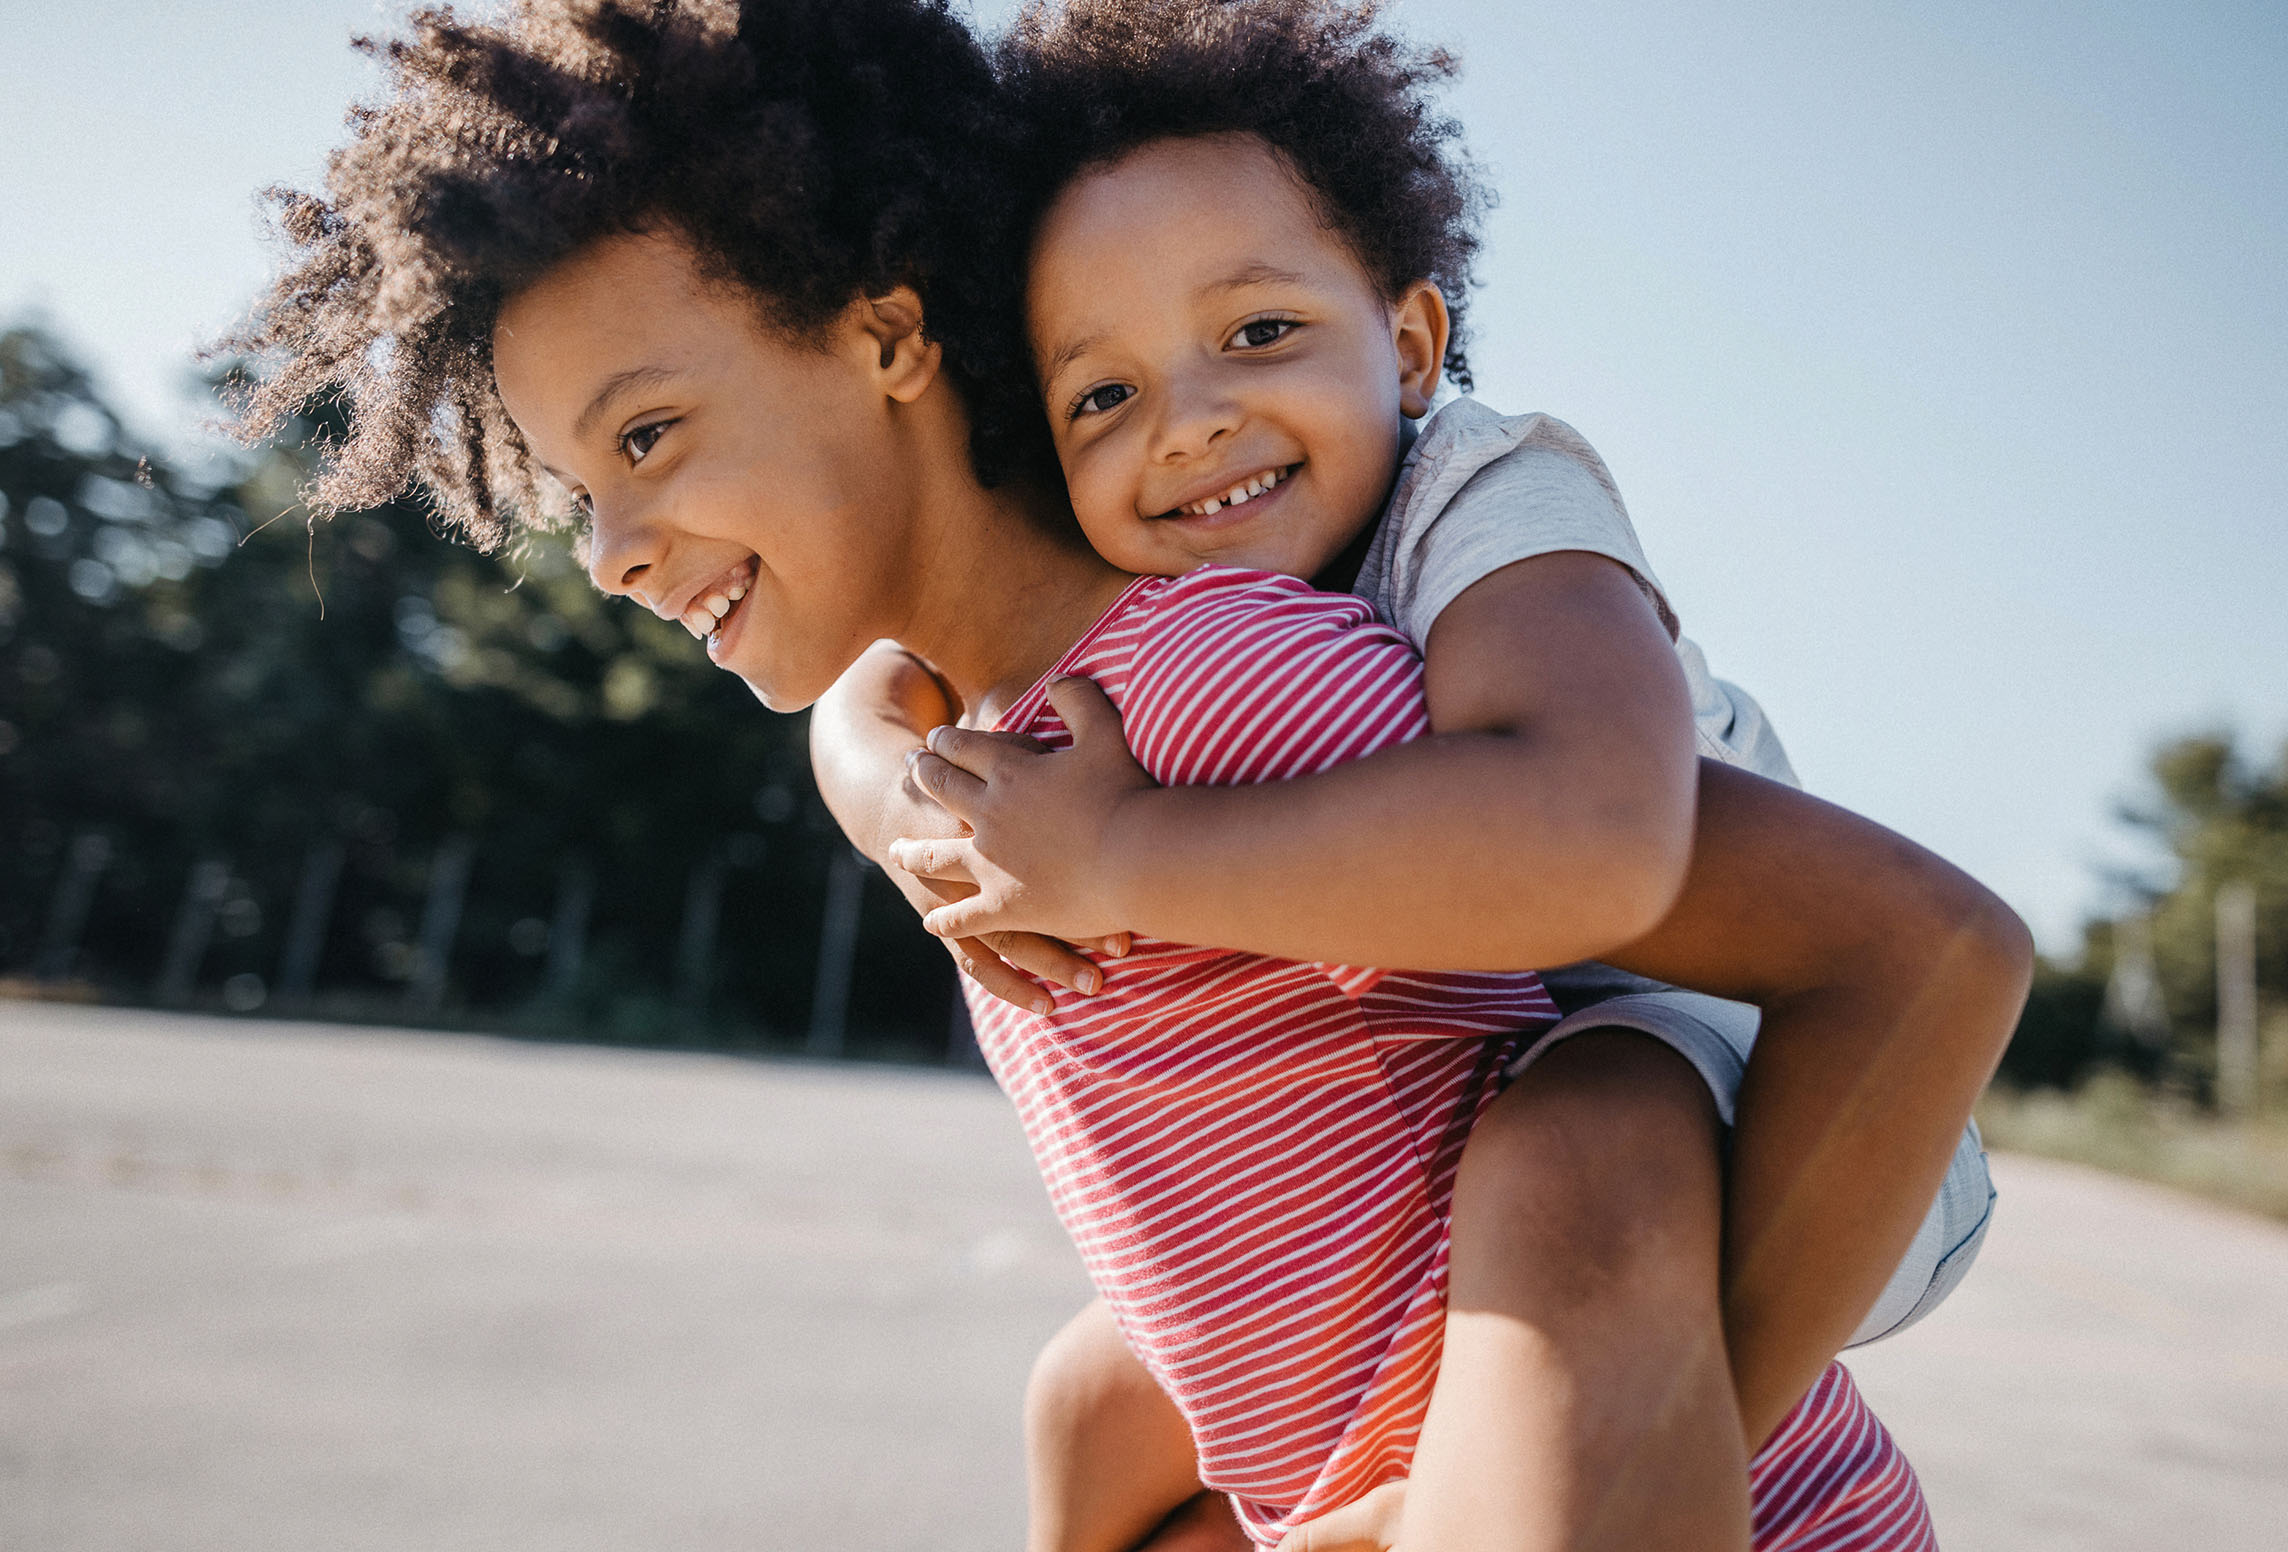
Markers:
point(1989, 959)
point(1638, 885)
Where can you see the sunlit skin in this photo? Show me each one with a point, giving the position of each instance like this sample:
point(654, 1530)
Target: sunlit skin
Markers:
point(1184, 353)
point(824, 481)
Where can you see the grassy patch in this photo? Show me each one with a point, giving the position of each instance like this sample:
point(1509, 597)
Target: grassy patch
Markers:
point(2116, 1123)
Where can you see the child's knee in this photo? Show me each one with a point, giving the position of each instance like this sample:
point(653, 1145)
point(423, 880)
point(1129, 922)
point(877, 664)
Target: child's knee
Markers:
point(1594, 1184)
point(1107, 1454)
point(1084, 1370)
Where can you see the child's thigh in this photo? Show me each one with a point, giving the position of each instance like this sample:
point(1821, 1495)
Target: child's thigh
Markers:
point(1591, 1191)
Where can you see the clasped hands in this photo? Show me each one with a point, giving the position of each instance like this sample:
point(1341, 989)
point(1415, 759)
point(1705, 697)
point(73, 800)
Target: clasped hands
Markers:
point(1036, 878)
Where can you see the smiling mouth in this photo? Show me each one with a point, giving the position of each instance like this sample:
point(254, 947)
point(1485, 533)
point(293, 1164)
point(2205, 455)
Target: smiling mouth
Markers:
point(1237, 495)
point(708, 613)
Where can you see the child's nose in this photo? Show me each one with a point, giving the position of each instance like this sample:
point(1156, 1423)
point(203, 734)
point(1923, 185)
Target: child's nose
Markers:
point(1195, 418)
point(621, 556)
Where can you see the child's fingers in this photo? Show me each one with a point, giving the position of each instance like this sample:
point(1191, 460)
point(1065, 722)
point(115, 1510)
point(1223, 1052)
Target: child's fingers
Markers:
point(990, 971)
point(944, 862)
point(1086, 710)
point(1368, 1525)
point(1048, 960)
point(955, 789)
point(1113, 946)
point(964, 918)
point(980, 754)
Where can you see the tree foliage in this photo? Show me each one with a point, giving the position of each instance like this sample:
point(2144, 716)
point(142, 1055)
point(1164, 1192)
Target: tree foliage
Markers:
point(2217, 815)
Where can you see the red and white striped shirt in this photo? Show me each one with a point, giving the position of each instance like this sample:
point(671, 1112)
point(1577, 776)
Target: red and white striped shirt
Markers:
point(1256, 1157)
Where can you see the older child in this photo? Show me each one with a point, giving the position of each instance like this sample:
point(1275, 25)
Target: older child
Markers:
point(729, 276)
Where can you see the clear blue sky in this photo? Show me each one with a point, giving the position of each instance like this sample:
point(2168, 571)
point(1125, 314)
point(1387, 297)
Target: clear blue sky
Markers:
point(1941, 351)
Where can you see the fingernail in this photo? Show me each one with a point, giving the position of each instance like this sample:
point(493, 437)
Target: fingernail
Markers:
point(913, 758)
point(1092, 981)
point(934, 734)
point(1043, 1006)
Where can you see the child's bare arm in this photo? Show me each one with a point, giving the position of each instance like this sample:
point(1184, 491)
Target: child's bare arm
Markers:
point(861, 731)
point(1890, 982)
point(1561, 755)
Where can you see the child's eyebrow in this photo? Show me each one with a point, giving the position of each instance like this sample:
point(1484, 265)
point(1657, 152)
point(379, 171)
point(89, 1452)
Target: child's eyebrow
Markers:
point(1255, 274)
point(1070, 353)
point(613, 387)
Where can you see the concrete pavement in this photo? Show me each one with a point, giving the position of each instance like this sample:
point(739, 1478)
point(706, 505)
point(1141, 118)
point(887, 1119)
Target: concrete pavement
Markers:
point(268, 1285)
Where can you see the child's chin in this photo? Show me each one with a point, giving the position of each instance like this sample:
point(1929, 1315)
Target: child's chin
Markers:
point(775, 693)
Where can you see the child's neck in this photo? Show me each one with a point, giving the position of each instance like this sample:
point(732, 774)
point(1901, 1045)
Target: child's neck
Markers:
point(1011, 585)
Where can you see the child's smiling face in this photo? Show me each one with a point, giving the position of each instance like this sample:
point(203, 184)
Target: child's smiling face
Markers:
point(1223, 378)
point(746, 484)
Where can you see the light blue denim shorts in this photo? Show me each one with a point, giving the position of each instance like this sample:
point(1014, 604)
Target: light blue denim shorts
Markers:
point(1715, 1036)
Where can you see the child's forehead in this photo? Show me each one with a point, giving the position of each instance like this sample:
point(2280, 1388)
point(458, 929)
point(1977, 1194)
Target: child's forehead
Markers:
point(1182, 190)
point(1187, 217)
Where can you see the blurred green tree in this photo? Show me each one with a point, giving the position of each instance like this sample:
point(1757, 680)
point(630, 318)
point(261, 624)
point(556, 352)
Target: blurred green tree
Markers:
point(2142, 994)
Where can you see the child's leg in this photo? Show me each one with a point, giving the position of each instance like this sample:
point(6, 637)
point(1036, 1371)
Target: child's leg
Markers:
point(1108, 1457)
point(1584, 1399)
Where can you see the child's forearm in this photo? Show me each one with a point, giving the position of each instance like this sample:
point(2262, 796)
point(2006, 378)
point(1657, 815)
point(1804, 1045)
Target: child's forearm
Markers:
point(1890, 982)
point(1462, 852)
point(860, 733)
point(1550, 820)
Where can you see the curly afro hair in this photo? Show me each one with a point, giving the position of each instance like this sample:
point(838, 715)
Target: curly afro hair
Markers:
point(814, 151)
point(1344, 100)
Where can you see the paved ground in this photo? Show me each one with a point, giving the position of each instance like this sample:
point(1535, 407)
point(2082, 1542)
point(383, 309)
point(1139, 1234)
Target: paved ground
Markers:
point(268, 1286)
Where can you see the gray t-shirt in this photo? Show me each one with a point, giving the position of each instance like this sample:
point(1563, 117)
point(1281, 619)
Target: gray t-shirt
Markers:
point(1478, 491)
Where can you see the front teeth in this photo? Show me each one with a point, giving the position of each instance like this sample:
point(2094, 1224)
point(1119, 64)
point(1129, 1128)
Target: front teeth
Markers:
point(702, 617)
point(1245, 490)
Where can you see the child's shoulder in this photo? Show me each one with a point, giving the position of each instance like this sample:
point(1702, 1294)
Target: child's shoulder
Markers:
point(1469, 447)
point(1218, 615)
point(1481, 490)
point(1234, 675)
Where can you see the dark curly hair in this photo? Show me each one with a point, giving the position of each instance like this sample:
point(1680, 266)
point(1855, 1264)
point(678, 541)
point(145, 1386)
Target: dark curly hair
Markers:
point(813, 151)
point(1342, 98)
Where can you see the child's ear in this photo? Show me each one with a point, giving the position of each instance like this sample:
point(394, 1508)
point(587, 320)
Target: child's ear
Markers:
point(905, 360)
point(1418, 329)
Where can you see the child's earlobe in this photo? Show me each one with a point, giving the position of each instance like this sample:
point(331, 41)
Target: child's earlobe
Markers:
point(906, 359)
point(1420, 328)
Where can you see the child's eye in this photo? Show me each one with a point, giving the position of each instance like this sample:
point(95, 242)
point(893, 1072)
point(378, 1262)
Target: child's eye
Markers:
point(1259, 332)
point(636, 443)
point(1097, 400)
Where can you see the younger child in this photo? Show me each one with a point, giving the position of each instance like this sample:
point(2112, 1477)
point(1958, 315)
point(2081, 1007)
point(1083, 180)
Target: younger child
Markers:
point(1242, 245)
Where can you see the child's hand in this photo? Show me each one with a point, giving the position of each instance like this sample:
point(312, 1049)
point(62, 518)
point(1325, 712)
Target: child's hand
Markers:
point(1039, 824)
point(1013, 966)
point(1369, 1525)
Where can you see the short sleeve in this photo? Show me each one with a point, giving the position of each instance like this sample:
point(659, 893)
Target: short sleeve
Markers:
point(1244, 676)
point(1480, 491)
point(1538, 499)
